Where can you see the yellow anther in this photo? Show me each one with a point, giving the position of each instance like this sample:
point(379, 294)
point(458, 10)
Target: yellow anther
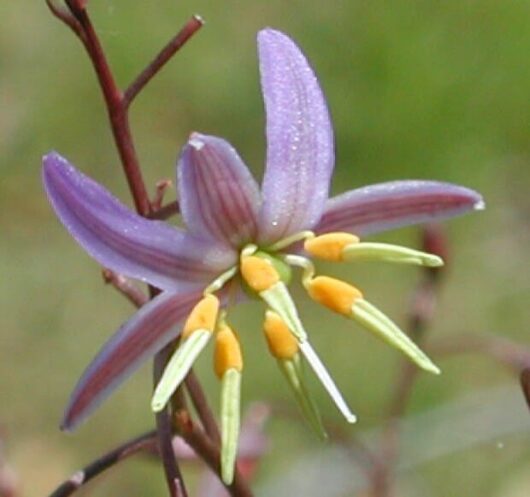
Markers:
point(227, 351)
point(202, 316)
point(259, 273)
point(330, 246)
point(334, 294)
point(282, 343)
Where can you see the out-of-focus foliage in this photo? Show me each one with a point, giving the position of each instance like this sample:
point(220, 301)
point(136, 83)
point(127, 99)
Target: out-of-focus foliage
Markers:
point(420, 89)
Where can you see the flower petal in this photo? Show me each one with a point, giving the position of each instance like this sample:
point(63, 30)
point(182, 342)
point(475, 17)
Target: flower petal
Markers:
point(115, 236)
point(383, 206)
point(300, 153)
point(152, 327)
point(218, 196)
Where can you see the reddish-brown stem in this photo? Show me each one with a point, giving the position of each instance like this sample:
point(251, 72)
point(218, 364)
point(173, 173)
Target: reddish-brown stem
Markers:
point(166, 211)
point(101, 464)
point(116, 109)
point(125, 287)
point(202, 407)
point(164, 430)
point(66, 17)
point(524, 379)
point(511, 355)
point(172, 47)
point(421, 313)
point(209, 453)
point(117, 104)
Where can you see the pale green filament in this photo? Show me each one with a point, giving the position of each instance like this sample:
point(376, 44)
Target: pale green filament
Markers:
point(178, 367)
point(293, 372)
point(379, 324)
point(249, 250)
point(389, 253)
point(296, 237)
point(304, 263)
point(220, 281)
point(230, 422)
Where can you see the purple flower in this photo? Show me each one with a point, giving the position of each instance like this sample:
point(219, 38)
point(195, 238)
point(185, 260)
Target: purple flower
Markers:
point(238, 237)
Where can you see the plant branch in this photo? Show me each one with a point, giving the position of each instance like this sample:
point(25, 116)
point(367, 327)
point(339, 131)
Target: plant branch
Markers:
point(166, 211)
point(202, 408)
point(116, 110)
point(115, 456)
point(164, 430)
point(209, 453)
point(173, 46)
point(66, 17)
point(125, 287)
point(420, 316)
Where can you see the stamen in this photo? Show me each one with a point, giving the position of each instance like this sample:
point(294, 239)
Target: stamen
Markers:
point(202, 316)
point(279, 300)
point(334, 294)
point(330, 246)
point(230, 422)
point(389, 253)
point(326, 380)
point(296, 237)
point(294, 374)
point(383, 327)
point(178, 367)
point(249, 250)
point(304, 263)
point(259, 273)
point(281, 341)
point(227, 351)
point(220, 281)
point(195, 336)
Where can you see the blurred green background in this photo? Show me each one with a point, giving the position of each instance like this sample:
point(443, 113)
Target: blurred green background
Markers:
point(417, 89)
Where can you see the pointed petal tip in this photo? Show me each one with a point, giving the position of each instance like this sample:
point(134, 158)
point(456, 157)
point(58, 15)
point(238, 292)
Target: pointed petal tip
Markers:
point(479, 205)
point(267, 32)
point(196, 140)
point(52, 162)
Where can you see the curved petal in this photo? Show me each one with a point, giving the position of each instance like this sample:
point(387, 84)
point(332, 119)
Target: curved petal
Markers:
point(300, 153)
point(218, 196)
point(152, 327)
point(384, 206)
point(129, 244)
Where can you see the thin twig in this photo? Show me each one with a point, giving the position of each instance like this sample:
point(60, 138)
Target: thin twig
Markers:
point(125, 287)
point(421, 313)
point(129, 448)
point(511, 355)
point(172, 47)
point(202, 408)
point(117, 111)
point(166, 211)
point(524, 379)
point(66, 17)
point(164, 430)
point(203, 446)
point(117, 104)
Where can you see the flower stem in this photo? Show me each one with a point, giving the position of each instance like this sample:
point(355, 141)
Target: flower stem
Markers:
point(202, 407)
point(101, 464)
point(117, 104)
point(172, 47)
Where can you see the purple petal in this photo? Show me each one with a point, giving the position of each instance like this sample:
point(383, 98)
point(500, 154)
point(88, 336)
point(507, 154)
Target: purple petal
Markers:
point(300, 154)
point(218, 196)
point(115, 236)
point(383, 206)
point(152, 327)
